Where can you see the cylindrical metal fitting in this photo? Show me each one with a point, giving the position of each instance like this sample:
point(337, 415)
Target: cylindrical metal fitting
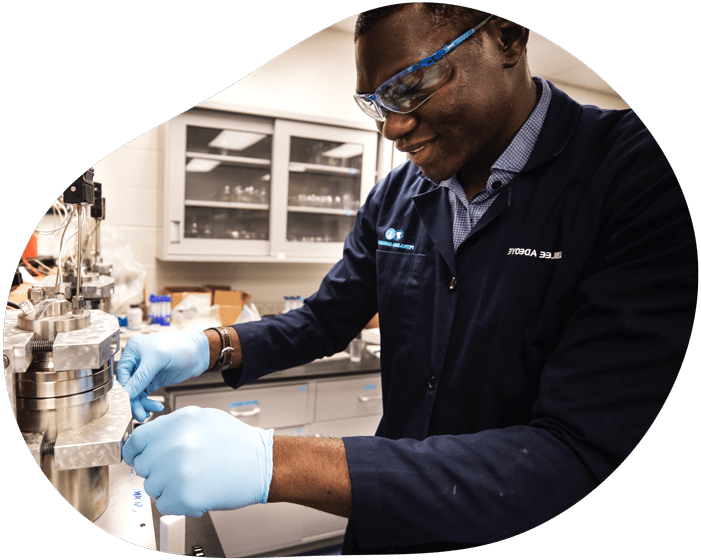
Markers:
point(36, 293)
point(50, 401)
point(78, 305)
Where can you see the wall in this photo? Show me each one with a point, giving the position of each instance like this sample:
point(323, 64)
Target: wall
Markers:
point(316, 77)
point(315, 80)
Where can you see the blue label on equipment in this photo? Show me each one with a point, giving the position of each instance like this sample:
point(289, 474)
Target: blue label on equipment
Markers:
point(243, 403)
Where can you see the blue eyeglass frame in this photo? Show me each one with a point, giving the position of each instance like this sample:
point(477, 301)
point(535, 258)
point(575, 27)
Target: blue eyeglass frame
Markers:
point(382, 109)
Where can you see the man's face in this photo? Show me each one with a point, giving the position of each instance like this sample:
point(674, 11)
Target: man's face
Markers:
point(466, 123)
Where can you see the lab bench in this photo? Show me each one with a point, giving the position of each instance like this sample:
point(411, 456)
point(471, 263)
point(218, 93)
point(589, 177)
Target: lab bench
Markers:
point(327, 398)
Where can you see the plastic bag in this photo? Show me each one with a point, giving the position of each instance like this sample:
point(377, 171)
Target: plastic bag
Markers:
point(128, 273)
point(248, 313)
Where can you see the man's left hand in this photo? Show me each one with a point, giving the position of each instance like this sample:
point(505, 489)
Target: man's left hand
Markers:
point(201, 459)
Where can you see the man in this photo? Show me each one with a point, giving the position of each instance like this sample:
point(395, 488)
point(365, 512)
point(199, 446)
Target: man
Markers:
point(534, 316)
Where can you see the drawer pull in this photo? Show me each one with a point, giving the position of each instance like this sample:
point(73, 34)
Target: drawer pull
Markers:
point(246, 413)
point(368, 399)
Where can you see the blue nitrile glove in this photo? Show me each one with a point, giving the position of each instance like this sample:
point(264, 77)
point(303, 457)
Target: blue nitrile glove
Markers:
point(201, 459)
point(152, 361)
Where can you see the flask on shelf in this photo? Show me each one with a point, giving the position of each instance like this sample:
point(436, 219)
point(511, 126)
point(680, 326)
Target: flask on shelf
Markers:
point(226, 195)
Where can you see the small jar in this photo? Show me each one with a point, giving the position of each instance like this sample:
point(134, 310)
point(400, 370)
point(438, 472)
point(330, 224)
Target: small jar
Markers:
point(134, 317)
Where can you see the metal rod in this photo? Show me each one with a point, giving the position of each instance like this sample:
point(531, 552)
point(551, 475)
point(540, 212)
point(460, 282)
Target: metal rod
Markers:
point(59, 274)
point(80, 251)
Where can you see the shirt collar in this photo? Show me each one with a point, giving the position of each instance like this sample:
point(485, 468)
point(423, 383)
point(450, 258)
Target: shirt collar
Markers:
point(515, 157)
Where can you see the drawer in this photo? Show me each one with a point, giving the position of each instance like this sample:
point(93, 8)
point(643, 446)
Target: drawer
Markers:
point(265, 407)
point(259, 528)
point(346, 398)
point(292, 431)
point(348, 427)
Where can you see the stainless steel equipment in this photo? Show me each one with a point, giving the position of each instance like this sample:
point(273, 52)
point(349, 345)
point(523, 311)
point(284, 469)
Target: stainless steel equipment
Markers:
point(90, 277)
point(58, 360)
point(95, 288)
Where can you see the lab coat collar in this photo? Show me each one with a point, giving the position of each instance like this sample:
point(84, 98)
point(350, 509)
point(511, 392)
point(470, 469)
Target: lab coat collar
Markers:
point(433, 207)
point(560, 123)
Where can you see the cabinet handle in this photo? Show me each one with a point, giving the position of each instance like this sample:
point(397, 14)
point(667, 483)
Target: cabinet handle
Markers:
point(174, 231)
point(368, 399)
point(246, 413)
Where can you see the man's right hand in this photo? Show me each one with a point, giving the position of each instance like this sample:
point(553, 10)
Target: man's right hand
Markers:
point(150, 362)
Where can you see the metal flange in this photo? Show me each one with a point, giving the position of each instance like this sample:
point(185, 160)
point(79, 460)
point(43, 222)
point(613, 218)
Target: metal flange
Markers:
point(99, 442)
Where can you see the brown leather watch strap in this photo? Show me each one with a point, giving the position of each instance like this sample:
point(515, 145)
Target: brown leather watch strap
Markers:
point(226, 356)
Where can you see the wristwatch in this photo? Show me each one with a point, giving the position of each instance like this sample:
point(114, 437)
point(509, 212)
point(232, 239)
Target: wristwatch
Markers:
point(226, 356)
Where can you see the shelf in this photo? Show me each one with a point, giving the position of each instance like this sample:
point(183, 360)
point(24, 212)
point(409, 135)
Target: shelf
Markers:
point(216, 204)
point(316, 210)
point(295, 167)
point(253, 162)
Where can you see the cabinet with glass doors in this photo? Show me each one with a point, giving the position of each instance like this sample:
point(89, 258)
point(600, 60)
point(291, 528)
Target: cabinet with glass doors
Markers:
point(246, 188)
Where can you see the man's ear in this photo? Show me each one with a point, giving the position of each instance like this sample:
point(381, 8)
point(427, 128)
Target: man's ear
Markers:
point(512, 41)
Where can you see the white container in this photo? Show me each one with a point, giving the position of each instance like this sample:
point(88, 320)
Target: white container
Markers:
point(134, 318)
point(356, 349)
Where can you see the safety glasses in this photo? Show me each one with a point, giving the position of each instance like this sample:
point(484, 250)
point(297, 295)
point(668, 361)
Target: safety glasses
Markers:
point(407, 91)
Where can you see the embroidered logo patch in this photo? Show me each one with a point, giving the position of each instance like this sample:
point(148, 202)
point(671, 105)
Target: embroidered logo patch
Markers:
point(525, 252)
point(393, 238)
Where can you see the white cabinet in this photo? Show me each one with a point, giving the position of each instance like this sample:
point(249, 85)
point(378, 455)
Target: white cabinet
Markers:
point(336, 407)
point(246, 188)
point(277, 406)
point(348, 398)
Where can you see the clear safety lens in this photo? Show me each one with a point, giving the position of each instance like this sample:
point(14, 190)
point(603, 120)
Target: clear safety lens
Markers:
point(370, 107)
point(407, 93)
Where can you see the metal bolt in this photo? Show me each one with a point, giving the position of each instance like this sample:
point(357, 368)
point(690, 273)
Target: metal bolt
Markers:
point(26, 307)
point(41, 346)
point(78, 305)
point(36, 293)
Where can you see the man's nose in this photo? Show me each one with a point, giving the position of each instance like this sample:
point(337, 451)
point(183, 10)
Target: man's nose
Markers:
point(397, 125)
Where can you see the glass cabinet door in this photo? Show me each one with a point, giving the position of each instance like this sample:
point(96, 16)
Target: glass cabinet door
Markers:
point(224, 192)
point(255, 189)
point(227, 182)
point(327, 172)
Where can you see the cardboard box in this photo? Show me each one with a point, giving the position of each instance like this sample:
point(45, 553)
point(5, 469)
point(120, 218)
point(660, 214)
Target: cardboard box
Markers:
point(178, 293)
point(217, 288)
point(230, 302)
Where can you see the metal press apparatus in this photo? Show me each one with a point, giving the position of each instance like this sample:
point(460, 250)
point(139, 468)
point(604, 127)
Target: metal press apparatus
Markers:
point(58, 352)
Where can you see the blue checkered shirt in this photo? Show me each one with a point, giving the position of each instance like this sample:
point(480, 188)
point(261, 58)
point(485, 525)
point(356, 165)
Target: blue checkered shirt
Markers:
point(465, 212)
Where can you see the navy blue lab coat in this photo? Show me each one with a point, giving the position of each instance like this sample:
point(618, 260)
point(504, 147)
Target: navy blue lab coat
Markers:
point(519, 372)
